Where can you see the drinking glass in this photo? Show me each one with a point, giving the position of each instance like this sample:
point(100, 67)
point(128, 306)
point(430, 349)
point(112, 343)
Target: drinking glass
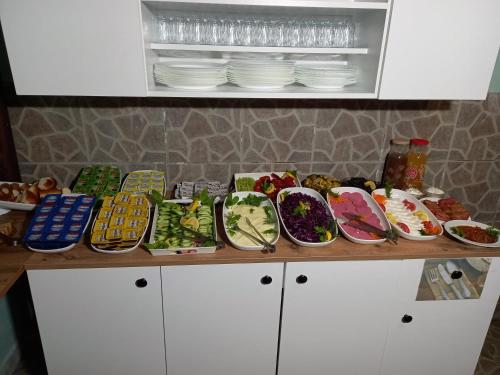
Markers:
point(293, 32)
point(276, 32)
point(324, 34)
point(193, 30)
point(308, 33)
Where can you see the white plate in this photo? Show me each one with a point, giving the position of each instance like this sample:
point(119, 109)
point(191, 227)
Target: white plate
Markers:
point(192, 87)
point(479, 264)
point(262, 86)
point(267, 203)
point(371, 204)
point(122, 250)
point(69, 247)
point(190, 65)
point(453, 223)
point(419, 207)
point(183, 250)
point(326, 86)
point(259, 63)
point(14, 205)
point(435, 199)
point(319, 197)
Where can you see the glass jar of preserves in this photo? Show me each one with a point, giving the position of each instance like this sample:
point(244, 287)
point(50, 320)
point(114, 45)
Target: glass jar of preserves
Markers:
point(395, 164)
point(415, 164)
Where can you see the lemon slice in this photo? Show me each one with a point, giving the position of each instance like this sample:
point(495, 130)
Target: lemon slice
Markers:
point(190, 222)
point(193, 206)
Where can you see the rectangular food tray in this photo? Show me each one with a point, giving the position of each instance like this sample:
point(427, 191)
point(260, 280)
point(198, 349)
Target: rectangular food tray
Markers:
point(183, 250)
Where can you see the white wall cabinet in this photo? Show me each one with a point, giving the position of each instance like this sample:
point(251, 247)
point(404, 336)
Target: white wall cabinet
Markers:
point(336, 316)
point(440, 49)
point(442, 337)
point(88, 48)
point(222, 319)
point(100, 321)
point(404, 49)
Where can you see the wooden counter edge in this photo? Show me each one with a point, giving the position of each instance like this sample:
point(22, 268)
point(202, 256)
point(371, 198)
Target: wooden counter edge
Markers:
point(341, 250)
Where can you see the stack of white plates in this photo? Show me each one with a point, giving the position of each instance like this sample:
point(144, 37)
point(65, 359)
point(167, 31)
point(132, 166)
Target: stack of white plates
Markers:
point(325, 75)
point(190, 75)
point(261, 74)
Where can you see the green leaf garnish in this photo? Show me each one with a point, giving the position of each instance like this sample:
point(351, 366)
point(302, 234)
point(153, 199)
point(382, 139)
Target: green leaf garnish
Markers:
point(302, 209)
point(457, 231)
point(388, 189)
point(270, 231)
point(231, 200)
point(492, 231)
point(232, 219)
point(204, 198)
point(253, 200)
point(270, 219)
point(156, 197)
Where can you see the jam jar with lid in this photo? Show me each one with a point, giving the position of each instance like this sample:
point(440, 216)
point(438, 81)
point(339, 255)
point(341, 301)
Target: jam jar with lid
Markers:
point(415, 164)
point(395, 163)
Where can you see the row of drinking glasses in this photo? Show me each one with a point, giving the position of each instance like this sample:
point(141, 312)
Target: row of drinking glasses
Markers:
point(250, 31)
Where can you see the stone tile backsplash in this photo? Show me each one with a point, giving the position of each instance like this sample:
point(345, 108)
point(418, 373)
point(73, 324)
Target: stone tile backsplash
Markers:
point(198, 139)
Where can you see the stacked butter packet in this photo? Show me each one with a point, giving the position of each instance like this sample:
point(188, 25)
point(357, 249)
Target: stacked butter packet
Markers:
point(59, 221)
point(188, 189)
point(144, 182)
point(98, 180)
point(121, 222)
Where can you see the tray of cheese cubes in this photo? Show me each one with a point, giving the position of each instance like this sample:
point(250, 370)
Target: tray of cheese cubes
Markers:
point(120, 224)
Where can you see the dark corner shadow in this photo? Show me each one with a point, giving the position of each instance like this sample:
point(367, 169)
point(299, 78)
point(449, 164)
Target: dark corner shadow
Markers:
point(26, 328)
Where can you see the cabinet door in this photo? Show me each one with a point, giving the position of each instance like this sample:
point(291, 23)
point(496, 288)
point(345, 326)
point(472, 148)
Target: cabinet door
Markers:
point(336, 315)
point(59, 47)
point(100, 321)
point(442, 49)
point(443, 337)
point(222, 319)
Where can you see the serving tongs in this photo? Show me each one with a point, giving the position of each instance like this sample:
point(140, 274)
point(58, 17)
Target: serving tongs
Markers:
point(271, 248)
point(356, 222)
point(197, 236)
point(267, 246)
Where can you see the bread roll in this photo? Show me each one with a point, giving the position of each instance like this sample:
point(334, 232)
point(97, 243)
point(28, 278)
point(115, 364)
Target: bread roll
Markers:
point(47, 183)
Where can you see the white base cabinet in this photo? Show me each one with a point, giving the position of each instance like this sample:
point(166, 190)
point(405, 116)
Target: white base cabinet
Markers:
point(102, 321)
point(222, 319)
point(443, 337)
point(336, 316)
point(342, 317)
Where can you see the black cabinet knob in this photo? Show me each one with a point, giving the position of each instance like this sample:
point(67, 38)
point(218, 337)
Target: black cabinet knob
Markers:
point(406, 318)
point(266, 280)
point(141, 283)
point(301, 279)
point(455, 275)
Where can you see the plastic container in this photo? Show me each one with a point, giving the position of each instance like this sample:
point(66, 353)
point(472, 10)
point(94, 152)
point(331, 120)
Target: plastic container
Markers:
point(395, 163)
point(415, 164)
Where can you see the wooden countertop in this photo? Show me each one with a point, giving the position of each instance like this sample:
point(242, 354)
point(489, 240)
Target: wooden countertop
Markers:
point(341, 249)
point(12, 259)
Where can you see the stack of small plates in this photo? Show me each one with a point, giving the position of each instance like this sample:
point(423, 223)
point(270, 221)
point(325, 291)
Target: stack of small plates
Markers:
point(190, 75)
point(325, 75)
point(261, 74)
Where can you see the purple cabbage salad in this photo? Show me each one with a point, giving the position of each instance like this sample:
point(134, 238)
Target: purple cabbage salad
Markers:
point(306, 218)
